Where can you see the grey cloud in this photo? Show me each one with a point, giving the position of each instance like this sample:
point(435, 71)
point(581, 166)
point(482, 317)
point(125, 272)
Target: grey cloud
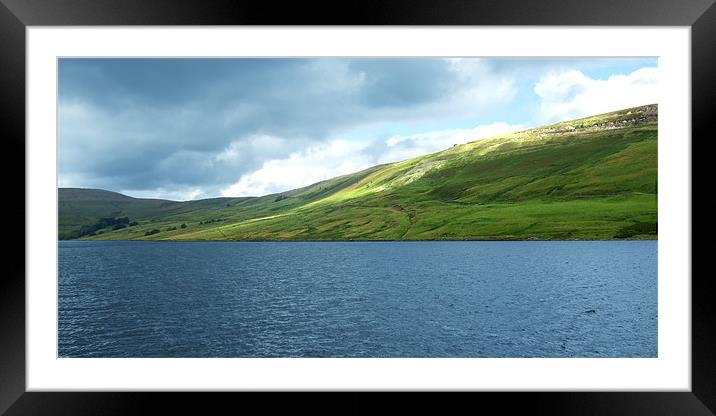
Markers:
point(145, 124)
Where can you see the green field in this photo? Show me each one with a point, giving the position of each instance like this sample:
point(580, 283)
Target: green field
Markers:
point(592, 178)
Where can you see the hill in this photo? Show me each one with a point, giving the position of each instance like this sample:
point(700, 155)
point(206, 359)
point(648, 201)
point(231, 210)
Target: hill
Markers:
point(591, 178)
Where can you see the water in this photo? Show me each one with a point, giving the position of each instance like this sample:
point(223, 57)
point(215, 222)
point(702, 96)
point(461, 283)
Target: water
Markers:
point(358, 299)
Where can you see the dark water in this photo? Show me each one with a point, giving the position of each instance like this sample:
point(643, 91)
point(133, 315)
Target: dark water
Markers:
point(358, 299)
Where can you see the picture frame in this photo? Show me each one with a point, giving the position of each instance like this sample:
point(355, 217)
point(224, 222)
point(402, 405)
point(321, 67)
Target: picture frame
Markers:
point(16, 15)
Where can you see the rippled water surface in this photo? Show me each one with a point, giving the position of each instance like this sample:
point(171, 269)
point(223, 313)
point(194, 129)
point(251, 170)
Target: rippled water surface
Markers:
point(358, 299)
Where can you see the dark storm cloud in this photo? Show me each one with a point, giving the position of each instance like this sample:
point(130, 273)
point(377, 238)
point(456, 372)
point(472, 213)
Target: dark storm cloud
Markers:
point(142, 124)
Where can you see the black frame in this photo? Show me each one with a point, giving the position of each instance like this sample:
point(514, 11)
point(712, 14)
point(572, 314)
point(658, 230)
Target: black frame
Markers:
point(15, 15)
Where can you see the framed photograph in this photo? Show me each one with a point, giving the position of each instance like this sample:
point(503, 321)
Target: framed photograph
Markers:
point(419, 199)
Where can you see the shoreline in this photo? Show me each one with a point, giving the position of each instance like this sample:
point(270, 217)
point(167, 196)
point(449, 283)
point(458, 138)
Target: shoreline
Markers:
point(371, 241)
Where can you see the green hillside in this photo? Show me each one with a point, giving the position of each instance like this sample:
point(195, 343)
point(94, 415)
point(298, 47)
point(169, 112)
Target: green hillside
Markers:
point(591, 178)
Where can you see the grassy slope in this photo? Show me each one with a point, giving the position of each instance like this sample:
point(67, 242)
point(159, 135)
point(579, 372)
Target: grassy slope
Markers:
point(592, 178)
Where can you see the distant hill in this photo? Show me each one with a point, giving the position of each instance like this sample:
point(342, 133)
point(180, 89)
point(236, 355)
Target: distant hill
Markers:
point(591, 178)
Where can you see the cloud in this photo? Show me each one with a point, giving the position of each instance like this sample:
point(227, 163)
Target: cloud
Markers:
point(168, 125)
point(571, 94)
point(404, 147)
point(324, 161)
point(180, 194)
point(195, 128)
point(340, 157)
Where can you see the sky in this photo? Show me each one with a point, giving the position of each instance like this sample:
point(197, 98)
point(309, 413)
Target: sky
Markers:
point(185, 129)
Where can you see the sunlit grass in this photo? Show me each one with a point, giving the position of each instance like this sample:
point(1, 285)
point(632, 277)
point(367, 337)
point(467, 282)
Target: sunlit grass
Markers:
point(594, 178)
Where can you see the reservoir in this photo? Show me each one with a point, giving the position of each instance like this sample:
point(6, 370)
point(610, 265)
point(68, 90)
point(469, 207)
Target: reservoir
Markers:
point(358, 299)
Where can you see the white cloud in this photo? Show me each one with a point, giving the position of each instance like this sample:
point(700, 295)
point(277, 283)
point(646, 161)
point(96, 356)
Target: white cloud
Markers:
point(312, 165)
point(341, 157)
point(480, 85)
point(405, 147)
point(571, 94)
point(164, 193)
point(259, 146)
